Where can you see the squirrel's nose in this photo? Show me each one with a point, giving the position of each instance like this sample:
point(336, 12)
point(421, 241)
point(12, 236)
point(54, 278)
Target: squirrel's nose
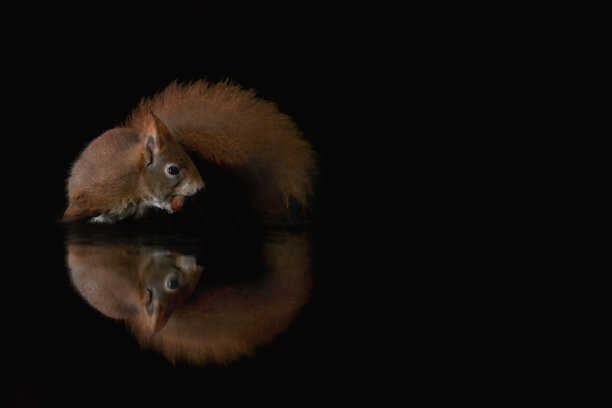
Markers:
point(194, 187)
point(190, 187)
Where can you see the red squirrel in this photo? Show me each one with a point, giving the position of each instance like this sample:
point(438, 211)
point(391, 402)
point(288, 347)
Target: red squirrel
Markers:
point(151, 160)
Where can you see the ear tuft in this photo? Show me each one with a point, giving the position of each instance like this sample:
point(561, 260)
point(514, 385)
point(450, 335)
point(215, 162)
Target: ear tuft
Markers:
point(150, 150)
point(157, 136)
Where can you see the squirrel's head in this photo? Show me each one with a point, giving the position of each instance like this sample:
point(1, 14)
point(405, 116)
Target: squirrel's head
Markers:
point(168, 173)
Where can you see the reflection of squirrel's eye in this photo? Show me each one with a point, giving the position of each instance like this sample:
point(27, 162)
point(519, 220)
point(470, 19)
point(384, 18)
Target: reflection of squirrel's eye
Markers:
point(172, 170)
point(172, 283)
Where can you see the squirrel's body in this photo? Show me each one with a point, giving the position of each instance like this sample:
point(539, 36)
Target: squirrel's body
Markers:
point(221, 125)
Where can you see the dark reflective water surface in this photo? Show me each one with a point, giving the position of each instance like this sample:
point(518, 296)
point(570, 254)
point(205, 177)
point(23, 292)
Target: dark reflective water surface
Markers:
point(167, 312)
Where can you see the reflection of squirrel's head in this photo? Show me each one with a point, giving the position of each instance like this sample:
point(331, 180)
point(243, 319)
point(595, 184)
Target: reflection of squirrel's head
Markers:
point(138, 284)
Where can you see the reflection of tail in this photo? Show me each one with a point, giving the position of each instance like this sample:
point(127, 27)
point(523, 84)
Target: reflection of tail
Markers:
point(139, 284)
point(222, 324)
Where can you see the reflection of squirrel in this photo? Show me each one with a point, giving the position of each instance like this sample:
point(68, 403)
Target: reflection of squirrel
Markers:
point(148, 163)
point(159, 293)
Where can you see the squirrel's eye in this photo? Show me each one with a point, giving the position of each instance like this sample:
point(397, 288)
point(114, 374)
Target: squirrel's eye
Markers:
point(172, 170)
point(172, 283)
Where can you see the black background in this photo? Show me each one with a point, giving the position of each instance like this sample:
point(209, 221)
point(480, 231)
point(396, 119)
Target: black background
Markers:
point(73, 73)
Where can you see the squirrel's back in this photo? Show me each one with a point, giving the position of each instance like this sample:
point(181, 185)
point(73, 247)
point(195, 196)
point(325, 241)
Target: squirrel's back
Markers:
point(228, 127)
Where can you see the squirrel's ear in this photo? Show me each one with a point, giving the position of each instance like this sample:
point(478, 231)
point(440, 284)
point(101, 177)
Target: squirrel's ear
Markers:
point(156, 136)
point(151, 149)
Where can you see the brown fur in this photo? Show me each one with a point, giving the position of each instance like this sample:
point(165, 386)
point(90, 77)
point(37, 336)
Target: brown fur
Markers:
point(90, 184)
point(219, 124)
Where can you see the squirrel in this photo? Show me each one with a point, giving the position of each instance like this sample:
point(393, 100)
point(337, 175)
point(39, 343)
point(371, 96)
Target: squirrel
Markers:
point(154, 159)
